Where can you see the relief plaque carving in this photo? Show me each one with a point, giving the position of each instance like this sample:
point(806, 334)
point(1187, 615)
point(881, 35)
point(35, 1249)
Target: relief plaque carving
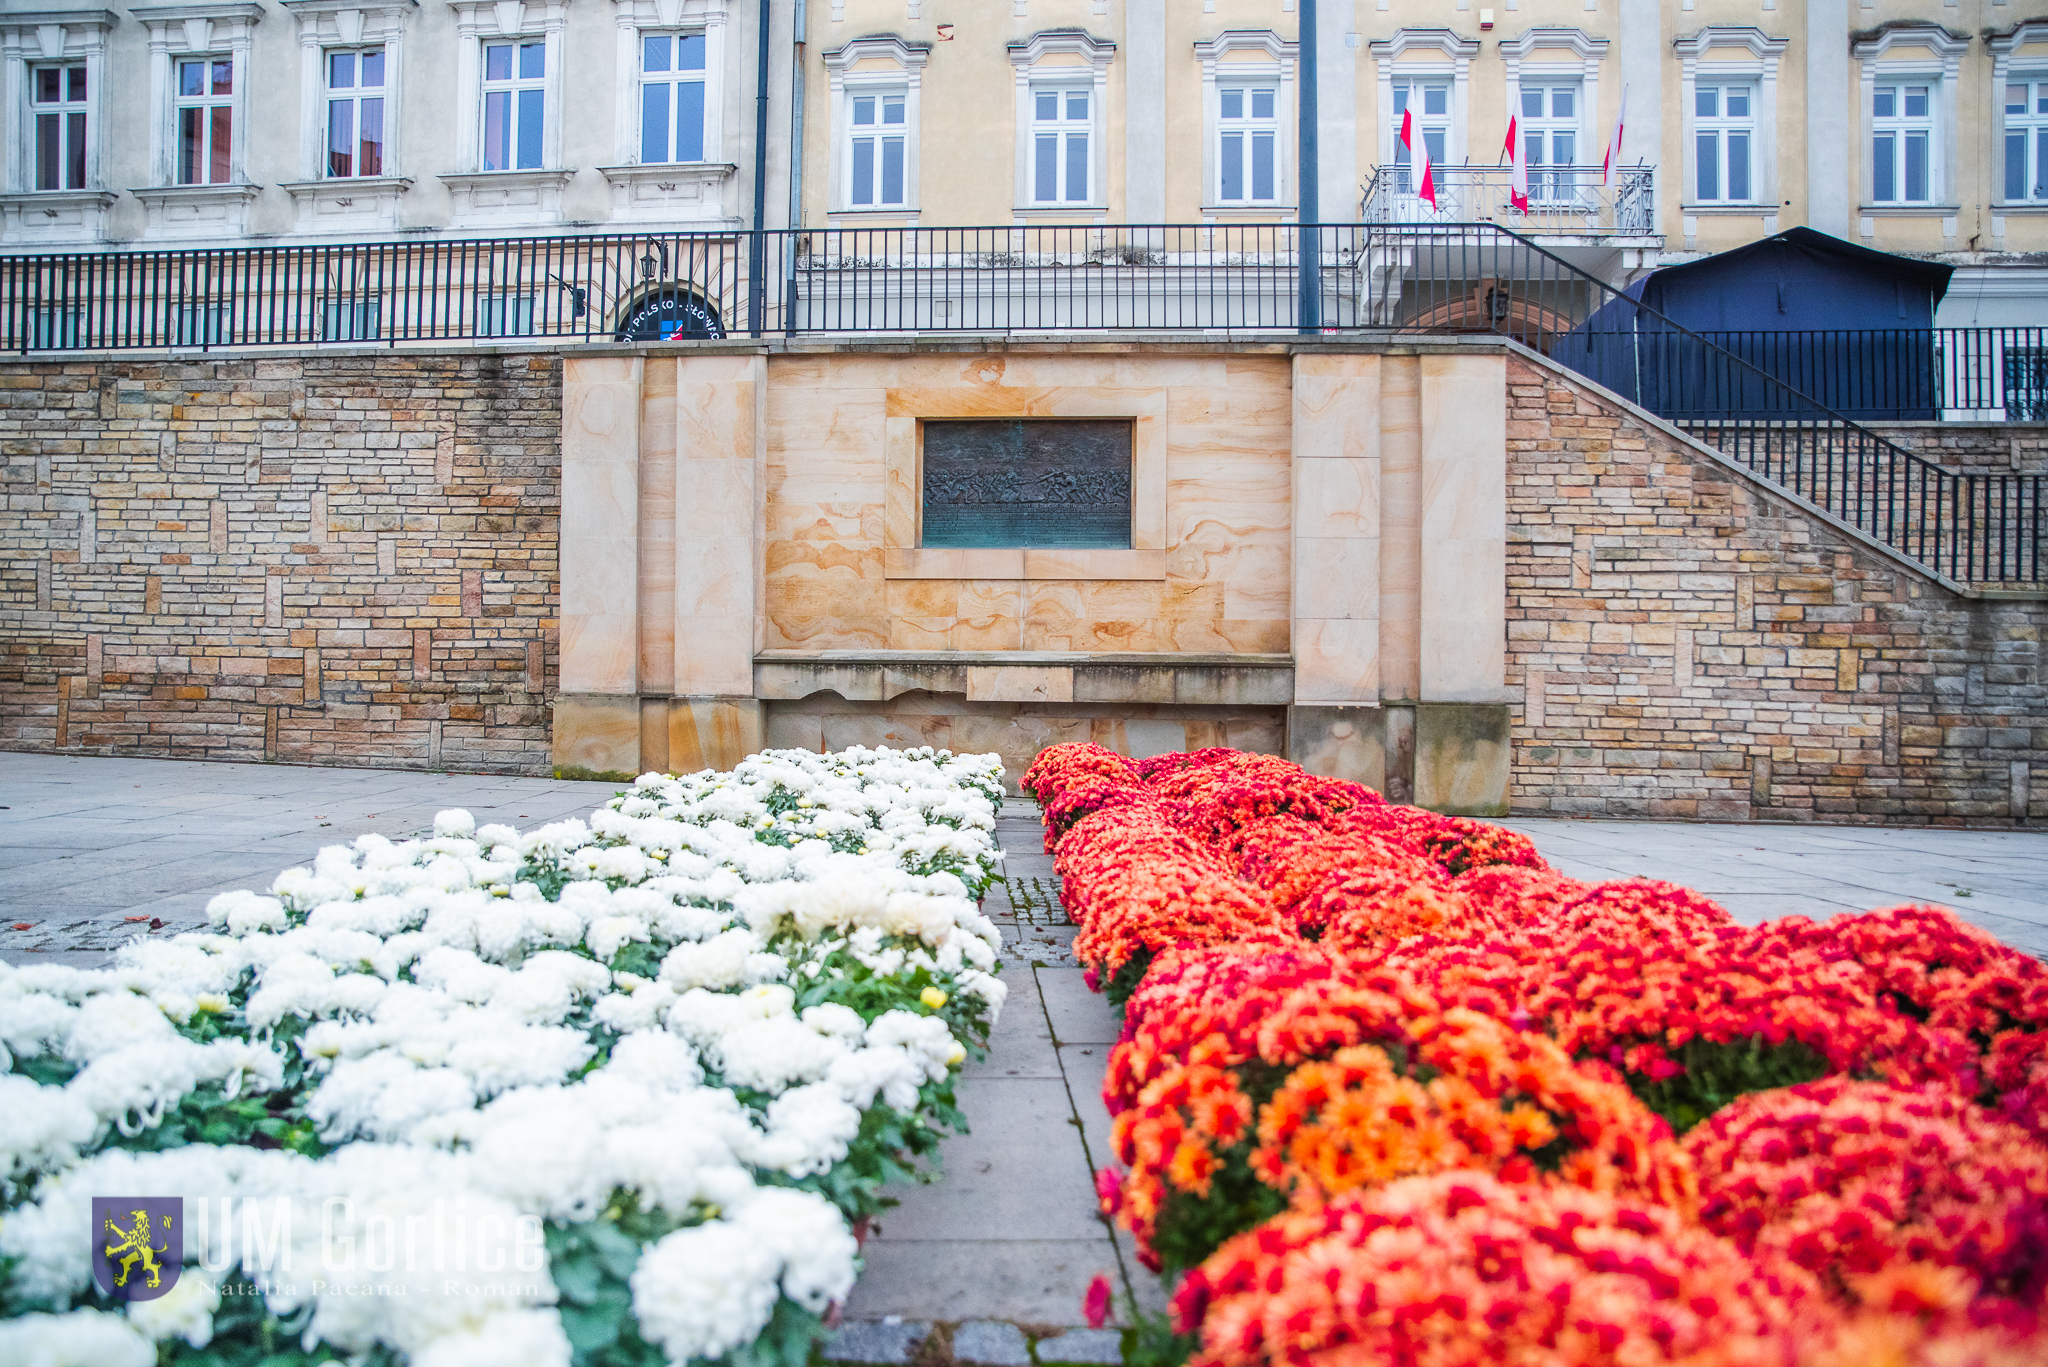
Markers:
point(1027, 482)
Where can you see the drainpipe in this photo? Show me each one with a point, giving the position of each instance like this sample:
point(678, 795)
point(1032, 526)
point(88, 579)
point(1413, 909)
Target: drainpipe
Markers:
point(799, 28)
point(1308, 215)
point(757, 261)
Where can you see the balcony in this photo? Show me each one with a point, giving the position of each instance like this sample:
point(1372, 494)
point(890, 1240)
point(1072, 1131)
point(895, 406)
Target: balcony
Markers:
point(1602, 229)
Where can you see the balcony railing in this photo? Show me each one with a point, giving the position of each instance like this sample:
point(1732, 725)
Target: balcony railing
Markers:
point(1884, 375)
point(1563, 200)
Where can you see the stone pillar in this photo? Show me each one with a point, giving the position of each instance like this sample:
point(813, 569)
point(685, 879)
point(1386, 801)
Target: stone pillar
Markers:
point(1143, 52)
point(1644, 55)
point(1830, 148)
point(597, 715)
point(1337, 115)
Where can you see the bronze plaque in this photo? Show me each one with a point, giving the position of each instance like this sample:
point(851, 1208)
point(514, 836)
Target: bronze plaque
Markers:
point(1028, 482)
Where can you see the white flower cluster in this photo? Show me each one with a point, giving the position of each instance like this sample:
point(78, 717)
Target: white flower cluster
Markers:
point(710, 980)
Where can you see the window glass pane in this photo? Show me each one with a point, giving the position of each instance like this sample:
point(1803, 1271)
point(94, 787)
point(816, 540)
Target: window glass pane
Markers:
point(1532, 148)
point(1231, 167)
point(1738, 103)
point(191, 78)
point(892, 111)
point(2016, 165)
point(1262, 166)
point(1562, 101)
point(690, 52)
point(1077, 106)
point(533, 61)
point(1563, 147)
point(1400, 103)
point(864, 111)
point(1532, 104)
point(1738, 166)
point(49, 152)
point(1233, 104)
point(1433, 139)
point(341, 137)
point(1077, 167)
point(892, 170)
point(1048, 106)
point(1883, 172)
point(74, 159)
point(863, 170)
point(373, 138)
point(224, 78)
point(531, 103)
point(1262, 104)
point(1706, 102)
point(221, 142)
point(654, 122)
point(1707, 151)
point(497, 130)
point(1436, 99)
point(498, 62)
point(689, 121)
point(1883, 101)
point(1916, 101)
point(341, 70)
point(373, 68)
point(1045, 183)
point(2040, 164)
point(2015, 99)
point(191, 145)
point(2040, 103)
point(654, 50)
point(1916, 166)
point(48, 83)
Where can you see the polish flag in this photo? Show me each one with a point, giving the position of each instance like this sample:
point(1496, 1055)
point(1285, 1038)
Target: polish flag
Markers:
point(1614, 143)
point(1518, 169)
point(1418, 156)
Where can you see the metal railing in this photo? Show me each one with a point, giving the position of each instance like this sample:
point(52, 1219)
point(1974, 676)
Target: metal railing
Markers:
point(1978, 528)
point(1893, 374)
point(1567, 200)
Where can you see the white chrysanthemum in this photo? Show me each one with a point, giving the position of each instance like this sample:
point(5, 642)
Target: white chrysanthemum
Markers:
point(511, 1338)
point(185, 1311)
point(704, 1291)
point(83, 1338)
point(454, 823)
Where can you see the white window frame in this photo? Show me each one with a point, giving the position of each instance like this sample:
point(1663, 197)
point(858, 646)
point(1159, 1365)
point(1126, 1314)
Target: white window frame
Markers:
point(348, 25)
point(1723, 125)
point(848, 84)
point(2008, 69)
point(63, 110)
point(1406, 90)
point(33, 38)
point(329, 98)
point(1897, 123)
point(1035, 75)
point(878, 131)
point(1743, 54)
point(206, 101)
point(181, 33)
point(1553, 57)
point(1273, 64)
point(1061, 128)
point(650, 18)
point(675, 76)
point(1447, 58)
point(512, 89)
point(1940, 74)
point(481, 22)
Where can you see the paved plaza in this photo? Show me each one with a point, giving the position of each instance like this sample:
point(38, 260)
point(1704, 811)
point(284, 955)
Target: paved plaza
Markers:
point(94, 851)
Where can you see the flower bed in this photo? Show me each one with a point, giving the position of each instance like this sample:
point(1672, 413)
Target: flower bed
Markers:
point(612, 1092)
point(1391, 1089)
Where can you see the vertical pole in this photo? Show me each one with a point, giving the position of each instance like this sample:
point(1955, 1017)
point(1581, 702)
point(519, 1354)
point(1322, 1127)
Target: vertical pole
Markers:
point(757, 262)
point(1308, 217)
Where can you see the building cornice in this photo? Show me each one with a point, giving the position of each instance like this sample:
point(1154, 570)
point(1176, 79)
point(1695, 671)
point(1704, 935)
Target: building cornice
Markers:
point(1759, 43)
point(1248, 40)
point(908, 55)
point(1577, 41)
point(1442, 40)
point(1874, 43)
point(1070, 41)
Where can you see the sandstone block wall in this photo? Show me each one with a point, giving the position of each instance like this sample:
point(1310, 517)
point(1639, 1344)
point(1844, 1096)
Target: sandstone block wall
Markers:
point(336, 559)
point(1683, 644)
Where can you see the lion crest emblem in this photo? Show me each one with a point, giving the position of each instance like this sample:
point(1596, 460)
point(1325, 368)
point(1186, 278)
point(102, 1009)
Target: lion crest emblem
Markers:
point(138, 1245)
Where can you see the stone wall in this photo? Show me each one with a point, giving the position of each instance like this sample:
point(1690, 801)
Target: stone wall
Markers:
point(1684, 644)
point(1995, 448)
point(334, 558)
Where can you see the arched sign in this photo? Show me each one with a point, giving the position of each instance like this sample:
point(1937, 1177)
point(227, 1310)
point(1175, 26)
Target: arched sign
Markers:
point(668, 315)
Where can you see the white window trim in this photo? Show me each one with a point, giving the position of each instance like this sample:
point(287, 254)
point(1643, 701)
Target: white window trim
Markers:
point(1941, 72)
point(634, 17)
point(325, 24)
point(477, 21)
point(1568, 54)
point(1279, 66)
point(1456, 66)
point(1097, 53)
point(2005, 68)
point(845, 83)
point(180, 32)
point(44, 37)
point(1761, 66)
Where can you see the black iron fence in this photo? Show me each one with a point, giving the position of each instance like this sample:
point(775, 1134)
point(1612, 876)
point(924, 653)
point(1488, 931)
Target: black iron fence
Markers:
point(1784, 405)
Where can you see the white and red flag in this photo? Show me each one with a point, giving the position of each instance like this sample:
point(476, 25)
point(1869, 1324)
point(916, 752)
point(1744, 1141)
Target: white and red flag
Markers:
point(1518, 169)
point(1614, 143)
point(1418, 157)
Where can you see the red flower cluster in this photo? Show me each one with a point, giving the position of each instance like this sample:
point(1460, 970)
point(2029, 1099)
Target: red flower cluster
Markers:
point(1395, 1091)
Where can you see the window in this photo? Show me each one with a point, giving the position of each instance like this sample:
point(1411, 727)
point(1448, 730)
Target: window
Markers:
point(1061, 123)
point(58, 105)
point(202, 324)
point(2026, 384)
point(671, 97)
point(504, 315)
point(1549, 125)
point(1724, 136)
point(515, 104)
point(1901, 144)
point(206, 119)
point(874, 152)
point(1431, 101)
point(355, 113)
point(1247, 144)
point(57, 328)
point(349, 320)
point(2026, 141)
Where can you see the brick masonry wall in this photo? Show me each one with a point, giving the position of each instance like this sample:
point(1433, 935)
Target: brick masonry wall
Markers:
point(1979, 447)
point(1683, 644)
point(331, 559)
